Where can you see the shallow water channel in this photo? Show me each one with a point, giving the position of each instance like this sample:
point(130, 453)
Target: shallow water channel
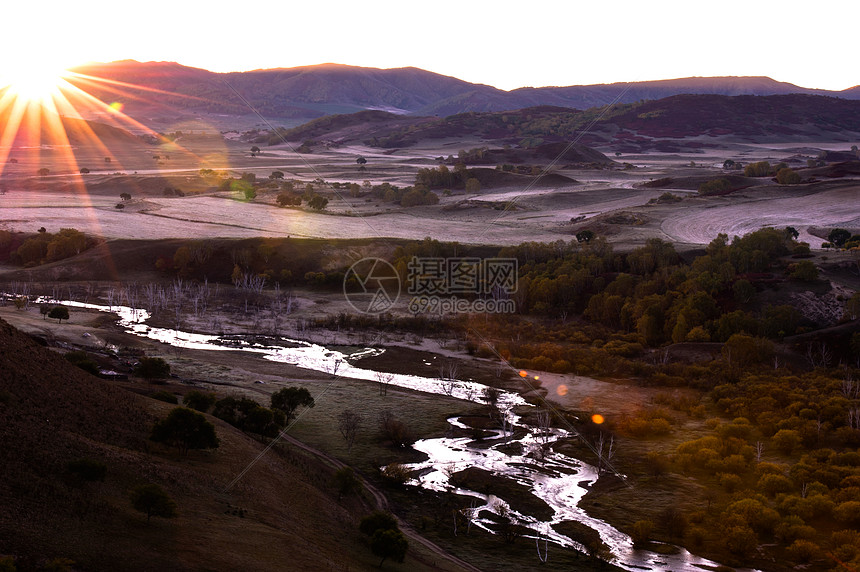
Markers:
point(558, 480)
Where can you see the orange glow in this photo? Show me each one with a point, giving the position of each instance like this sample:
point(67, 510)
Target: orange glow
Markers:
point(524, 373)
point(597, 418)
point(537, 378)
point(561, 390)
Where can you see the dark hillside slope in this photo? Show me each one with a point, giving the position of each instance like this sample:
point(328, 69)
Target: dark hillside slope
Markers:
point(52, 413)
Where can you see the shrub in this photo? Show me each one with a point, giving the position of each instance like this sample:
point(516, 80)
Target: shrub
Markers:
point(379, 520)
point(771, 484)
point(165, 396)
point(730, 482)
point(152, 368)
point(152, 500)
point(804, 551)
point(346, 481)
point(199, 400)
point(185, 429)
point(787, 176)
point(740, 540)
point(805, 271)
point(848, 513)
point(396, 473)
point(82, 360)
point(759, 169)
point(389, 544)
point(787, 440)
point(715, 186)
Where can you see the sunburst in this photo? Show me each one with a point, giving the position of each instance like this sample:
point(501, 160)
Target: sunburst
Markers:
point(32, 79)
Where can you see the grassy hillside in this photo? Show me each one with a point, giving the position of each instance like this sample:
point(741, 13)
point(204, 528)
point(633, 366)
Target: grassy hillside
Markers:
point(281, 515)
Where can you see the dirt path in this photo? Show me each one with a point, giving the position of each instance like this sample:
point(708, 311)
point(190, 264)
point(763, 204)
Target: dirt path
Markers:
point(381, 502)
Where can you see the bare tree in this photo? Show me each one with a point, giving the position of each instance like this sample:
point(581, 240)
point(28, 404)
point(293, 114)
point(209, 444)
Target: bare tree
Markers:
point(818, 355)
point(491, 397)
point(384, 380)
point(759, 449)
point(854, 418)
point(850, 387)
point(544, 425)
point(348, 423)
point(333, 366)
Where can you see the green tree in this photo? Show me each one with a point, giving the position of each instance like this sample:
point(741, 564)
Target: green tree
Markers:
point(82, 360)
point(59, 313)
point(277, 175)
point(787, 440)
point(185, 429)
point(289, 399)
point(125, 196)
point(389, 544)
point(473, 185)
point(787, 176)
point(318, 203)
point(715, 186)
point(378, 520)
point(43, 172)
point(346, 481)
point(805, 271)
point(255, 149)
point(743, 291)
point(152, 368)
point(838, 237)
point(199, 400)
point(153, 501)
point(760, 169)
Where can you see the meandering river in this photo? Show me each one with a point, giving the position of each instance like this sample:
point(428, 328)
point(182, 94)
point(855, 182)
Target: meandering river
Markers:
point(558, 480)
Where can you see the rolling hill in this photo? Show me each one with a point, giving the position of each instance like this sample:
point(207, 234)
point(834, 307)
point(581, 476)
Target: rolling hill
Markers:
point(281, 516)
point(668, 124)
point(307, 92)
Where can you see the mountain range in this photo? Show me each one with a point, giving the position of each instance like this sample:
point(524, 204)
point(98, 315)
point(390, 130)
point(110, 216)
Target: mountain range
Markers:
point(302, 93)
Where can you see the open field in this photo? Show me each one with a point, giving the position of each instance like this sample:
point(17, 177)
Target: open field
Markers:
point(610, 201)
point(615, 203)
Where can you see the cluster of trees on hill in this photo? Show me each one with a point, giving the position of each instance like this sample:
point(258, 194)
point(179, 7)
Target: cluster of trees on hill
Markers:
point(411, 196)
point(47, 247)
point(442, 177)
point(533, 126)
point(643, 299)
point(248, 415)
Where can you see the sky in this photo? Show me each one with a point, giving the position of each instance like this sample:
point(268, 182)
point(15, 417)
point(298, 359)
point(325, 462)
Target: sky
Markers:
point(501, 43)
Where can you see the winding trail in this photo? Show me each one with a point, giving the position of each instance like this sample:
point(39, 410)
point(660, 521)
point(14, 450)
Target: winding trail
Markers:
point(381, 502)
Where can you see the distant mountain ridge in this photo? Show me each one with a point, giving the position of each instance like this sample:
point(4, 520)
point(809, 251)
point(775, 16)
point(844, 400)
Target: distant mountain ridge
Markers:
point(308, 92)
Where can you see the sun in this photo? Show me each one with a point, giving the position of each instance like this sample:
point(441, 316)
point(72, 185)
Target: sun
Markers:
point(32, 79)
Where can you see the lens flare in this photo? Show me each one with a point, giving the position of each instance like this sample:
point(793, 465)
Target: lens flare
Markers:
point(597, 418)
point(561, 390)
point(116, 106)
point(524, 373)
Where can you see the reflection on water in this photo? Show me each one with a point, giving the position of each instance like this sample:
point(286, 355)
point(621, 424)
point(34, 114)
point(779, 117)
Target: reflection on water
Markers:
point(557, 479)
